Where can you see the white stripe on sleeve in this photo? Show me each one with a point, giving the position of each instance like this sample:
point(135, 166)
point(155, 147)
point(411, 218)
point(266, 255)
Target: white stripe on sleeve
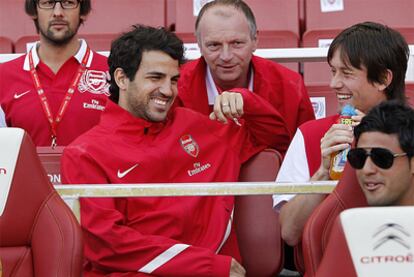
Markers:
point(163, 258)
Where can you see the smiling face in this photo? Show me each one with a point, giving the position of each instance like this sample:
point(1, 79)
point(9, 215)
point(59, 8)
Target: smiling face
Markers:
point(225, 42)
point(352, 86)
point(152, 92)
point(58, 26)
point(386, 187)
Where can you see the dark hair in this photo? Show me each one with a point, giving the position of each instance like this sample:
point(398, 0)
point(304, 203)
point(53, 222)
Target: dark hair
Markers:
point(238, 5)
point(126, 51)
point(30, 6)
point(390, 117)
point(377, 48)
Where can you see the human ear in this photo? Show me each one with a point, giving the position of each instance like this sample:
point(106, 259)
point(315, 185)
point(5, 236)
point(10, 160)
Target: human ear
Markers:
point(121, 79)
point(386, 80)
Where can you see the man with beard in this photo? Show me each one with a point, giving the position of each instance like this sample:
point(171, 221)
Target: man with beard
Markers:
point(141, 139)
point(58, 89)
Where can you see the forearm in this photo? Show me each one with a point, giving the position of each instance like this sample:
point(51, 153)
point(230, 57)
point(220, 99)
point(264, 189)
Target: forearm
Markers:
point(294, 215)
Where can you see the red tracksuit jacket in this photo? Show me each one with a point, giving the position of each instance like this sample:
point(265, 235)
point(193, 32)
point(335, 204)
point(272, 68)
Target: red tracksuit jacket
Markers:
point(165, 236)
point(22, 107)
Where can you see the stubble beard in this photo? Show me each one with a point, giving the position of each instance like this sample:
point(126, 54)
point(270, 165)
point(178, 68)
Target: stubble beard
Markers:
point(50, 37)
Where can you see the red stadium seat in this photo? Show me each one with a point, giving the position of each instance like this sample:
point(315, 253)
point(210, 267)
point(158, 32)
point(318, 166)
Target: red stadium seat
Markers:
point(326, 25)
point(117, 16)
point(99, 29)
point(50, 159)
point(14, 22)
point(39, 235)
point(346, 195)
point(6, 45)
point(257, 224)
point(336, 255)
point(22, 45)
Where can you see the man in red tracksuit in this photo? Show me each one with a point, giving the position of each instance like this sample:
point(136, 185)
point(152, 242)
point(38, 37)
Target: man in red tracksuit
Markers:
point(227, 36)
point(58, 90)
point(141, 141)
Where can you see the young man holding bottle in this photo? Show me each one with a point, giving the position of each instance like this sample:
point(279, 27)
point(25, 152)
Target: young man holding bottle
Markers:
point(368, 63)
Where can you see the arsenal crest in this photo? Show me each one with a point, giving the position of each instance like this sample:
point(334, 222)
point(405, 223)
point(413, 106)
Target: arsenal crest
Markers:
point(95, 82)
point(189, 145)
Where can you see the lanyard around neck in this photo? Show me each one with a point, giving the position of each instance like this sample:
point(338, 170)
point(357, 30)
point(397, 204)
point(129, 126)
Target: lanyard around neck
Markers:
point(54, 121)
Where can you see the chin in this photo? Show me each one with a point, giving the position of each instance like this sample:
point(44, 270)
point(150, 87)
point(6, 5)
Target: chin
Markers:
point(157, 118)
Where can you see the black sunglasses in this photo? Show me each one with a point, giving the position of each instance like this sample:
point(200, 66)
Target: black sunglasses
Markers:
point(381, 157)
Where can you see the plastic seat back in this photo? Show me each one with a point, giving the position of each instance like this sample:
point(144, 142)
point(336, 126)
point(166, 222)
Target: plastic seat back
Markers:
point(50, 159)
point(346, 195)
point(6, 45)
point(257, 224)
point(371, 241)
point(39, 235)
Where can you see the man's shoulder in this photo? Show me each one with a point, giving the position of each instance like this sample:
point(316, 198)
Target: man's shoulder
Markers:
point(91, 139)
point(14, 64)
point(318, 125)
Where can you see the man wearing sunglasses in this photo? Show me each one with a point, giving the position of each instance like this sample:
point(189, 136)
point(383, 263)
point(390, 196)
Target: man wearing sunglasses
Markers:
point(383, 155)
point(368, 63)
point(58, 90)
point(382, 159)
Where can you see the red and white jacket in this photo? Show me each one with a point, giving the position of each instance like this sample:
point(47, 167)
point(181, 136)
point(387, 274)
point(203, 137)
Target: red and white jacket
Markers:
point(165, 236)
point(22, 107)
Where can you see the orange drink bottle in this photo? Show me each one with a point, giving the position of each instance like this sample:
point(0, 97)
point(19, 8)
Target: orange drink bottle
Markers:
point(338, 159)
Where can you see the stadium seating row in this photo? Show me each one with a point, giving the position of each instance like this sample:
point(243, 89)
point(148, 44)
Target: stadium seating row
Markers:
point(281, 23)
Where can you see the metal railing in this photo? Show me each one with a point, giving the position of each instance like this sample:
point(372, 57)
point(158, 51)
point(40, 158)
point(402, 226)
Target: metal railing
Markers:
point(72, 193)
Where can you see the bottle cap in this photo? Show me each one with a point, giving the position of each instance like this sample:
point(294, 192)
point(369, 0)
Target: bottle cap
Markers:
point(348, 110)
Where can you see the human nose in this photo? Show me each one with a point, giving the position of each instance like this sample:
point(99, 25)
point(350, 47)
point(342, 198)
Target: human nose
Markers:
point(226, 53)
point(336, 81)
point(168, 88)
point(58, 9)
point(369, 166)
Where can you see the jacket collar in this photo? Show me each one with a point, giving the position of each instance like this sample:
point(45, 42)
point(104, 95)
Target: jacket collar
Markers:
point(116, 118)
point(78, 56)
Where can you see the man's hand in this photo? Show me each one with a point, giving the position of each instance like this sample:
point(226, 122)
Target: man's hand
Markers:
point(357, 118)
point(338, 137)
point(236, 270)
point(227, 105)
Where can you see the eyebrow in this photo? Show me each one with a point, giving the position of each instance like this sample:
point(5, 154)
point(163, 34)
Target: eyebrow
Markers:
point(156, 73)
point(160, 74)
